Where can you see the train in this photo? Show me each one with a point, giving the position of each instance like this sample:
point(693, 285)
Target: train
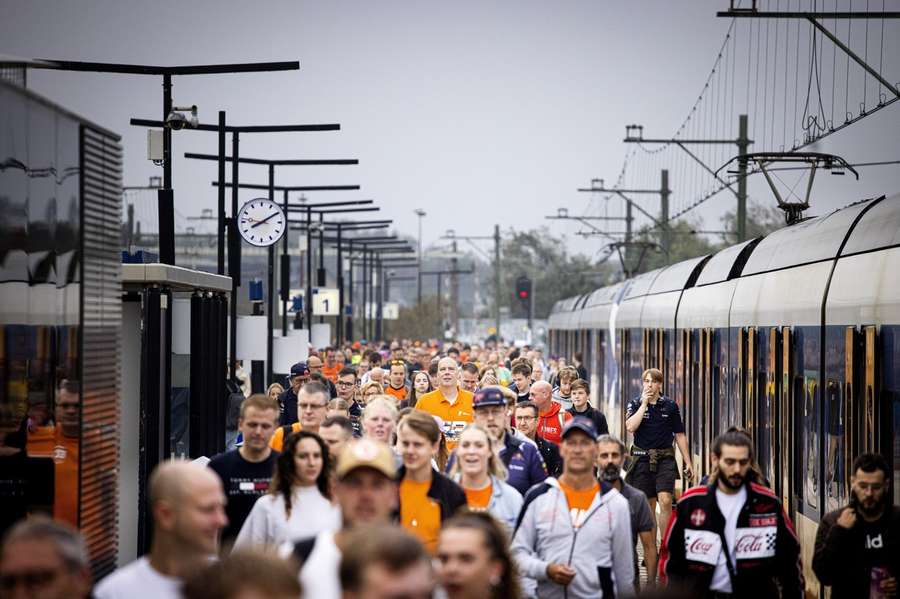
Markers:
point(792, 336)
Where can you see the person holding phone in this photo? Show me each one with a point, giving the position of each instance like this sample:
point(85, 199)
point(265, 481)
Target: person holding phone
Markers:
point(856, 551)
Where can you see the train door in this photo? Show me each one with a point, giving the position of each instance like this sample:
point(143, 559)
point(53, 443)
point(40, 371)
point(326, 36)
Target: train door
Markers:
point(750, 406)
point(720, 378)
point(695, 398)
point(706, 403)
point(784, 485)
point(766, 389)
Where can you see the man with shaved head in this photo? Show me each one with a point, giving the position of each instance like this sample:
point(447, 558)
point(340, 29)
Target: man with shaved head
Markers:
point(188, 506)
point(449, 402)
point(551, 417)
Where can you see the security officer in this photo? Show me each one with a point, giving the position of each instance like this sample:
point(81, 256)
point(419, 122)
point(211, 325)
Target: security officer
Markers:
point(288, 399)
point(655, 422)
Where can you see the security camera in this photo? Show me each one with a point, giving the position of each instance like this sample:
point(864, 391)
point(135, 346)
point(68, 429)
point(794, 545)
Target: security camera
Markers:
point(177, 120)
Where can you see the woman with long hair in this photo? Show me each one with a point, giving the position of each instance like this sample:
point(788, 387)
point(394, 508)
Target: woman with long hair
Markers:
point(421, 384)
point(427, 497)
point(478, 470)
point(298, 504)
point(474, 561)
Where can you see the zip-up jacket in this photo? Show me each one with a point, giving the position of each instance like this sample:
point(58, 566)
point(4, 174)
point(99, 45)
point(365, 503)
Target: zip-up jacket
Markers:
point(524, 464)
point(550, 424)
point(599, 550)
point(766, 548)
point(505, 503)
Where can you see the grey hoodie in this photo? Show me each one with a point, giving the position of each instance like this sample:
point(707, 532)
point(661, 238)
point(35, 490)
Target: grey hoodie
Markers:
point(599, 550)
point(505, 504)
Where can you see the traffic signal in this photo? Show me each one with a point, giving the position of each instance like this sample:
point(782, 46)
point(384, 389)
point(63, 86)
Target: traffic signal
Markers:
point(523, 294)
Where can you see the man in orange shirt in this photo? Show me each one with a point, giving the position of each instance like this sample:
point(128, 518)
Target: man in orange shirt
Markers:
point(331, 368)
point(312, 408)
point(397, 386)
point(551, 417)
point(449, 402)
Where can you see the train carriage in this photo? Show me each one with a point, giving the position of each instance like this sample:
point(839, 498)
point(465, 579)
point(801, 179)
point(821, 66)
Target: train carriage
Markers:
point(792, 336)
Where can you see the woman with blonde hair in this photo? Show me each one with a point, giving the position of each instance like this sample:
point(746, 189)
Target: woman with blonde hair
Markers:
point(478, 470)
point(369, 390)
point(274, 390)
point(379, 419)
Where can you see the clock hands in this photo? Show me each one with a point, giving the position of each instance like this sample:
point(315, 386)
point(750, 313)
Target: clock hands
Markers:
point(258, 223)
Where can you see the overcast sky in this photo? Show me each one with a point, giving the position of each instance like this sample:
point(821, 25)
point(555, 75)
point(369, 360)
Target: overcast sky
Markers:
point(478, 112)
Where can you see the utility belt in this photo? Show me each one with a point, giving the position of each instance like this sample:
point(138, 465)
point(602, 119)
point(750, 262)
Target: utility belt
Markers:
point(654, 455)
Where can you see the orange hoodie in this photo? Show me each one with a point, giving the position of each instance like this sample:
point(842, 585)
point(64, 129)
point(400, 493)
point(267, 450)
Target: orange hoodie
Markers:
point(551, 422)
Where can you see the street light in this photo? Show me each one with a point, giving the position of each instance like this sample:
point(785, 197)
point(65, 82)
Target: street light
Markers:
point(420, 213)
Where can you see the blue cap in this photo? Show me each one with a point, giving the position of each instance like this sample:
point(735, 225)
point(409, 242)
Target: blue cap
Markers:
point(489, 396)
point(299, 369)
point(580, 423)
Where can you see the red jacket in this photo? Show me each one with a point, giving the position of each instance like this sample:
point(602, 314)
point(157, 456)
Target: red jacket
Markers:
point(550, 424)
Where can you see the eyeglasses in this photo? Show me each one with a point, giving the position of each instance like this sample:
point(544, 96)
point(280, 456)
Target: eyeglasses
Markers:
point(345, 383)
point(33, 580)
point(311, 406)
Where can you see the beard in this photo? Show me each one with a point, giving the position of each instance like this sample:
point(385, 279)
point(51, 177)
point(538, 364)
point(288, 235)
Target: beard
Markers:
point(611, 473)
point(734, 482)
point(874, 507)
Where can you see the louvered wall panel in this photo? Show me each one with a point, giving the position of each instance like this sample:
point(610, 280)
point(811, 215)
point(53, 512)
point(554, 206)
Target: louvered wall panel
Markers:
point(101, 317)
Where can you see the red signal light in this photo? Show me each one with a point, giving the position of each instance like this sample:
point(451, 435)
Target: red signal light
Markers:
point(523, 294)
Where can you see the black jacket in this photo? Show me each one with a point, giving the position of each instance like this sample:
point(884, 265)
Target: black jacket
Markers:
point(550, 453)
point(595, 415)
point(839, 560)
point(444, 491)
point(288, 401)
point(770, 552)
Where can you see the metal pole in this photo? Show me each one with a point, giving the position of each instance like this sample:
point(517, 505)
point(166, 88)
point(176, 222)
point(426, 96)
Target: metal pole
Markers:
point(420, 213)
point(339, 332)
point(664, 193)
point(743, 145)
point(440, 301)
point(350, 286)
point(234, 246)
point(320, 275)
point(165, 197)
point(365, 292)
point(379, 311)
point(220, 267)
point(307, 300)
point(270, 292)
point(285, 277)
point(454, 290)
point(629, 219)
point(497, 279)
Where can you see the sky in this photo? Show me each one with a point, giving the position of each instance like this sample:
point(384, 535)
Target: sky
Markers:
point(478, 112)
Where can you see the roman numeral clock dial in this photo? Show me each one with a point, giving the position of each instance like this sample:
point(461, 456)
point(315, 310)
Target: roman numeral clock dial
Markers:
point(261, 222)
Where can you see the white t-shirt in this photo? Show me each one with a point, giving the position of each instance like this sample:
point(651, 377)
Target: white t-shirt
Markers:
point(268, 525)
point(730, 506)
point(319, 575)
point(138, 580)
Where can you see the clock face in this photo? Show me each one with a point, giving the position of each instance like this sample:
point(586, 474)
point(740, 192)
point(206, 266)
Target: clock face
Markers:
point(261, 222)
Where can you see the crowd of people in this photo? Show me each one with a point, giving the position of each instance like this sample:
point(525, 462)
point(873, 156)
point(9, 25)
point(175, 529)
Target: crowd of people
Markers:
point(465, 472)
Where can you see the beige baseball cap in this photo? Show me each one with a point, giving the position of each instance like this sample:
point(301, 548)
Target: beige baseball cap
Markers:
point(366, 453)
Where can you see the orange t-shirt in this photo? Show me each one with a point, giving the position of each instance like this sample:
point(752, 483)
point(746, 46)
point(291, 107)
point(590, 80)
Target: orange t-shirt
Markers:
point(399, 394)
point(420, 515)
point(479, 499)
point(579, 502)
point(455, 416)
point(50, 442)
point(331, 372)
point(277, 440)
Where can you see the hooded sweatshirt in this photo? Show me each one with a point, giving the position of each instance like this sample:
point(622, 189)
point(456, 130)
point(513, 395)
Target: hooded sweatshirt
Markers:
point(551, 423)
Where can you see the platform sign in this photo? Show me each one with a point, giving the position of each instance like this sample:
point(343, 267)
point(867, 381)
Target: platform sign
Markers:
point(325, 302)
point(390, 311)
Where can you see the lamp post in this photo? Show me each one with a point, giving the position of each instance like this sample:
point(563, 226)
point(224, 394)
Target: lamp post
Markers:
point(420, 213)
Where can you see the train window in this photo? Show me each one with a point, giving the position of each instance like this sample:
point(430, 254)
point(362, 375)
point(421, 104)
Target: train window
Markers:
point(889, 353)
point(870, 441)
point(764, 414)
point(835, 485)
point(786, 424)
point(811, 426)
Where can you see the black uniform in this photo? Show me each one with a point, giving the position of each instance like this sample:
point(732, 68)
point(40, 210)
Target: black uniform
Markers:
point(655, 470)
point(288, 401)
point(844, 557)
point(244, 482)
point(766, 548)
